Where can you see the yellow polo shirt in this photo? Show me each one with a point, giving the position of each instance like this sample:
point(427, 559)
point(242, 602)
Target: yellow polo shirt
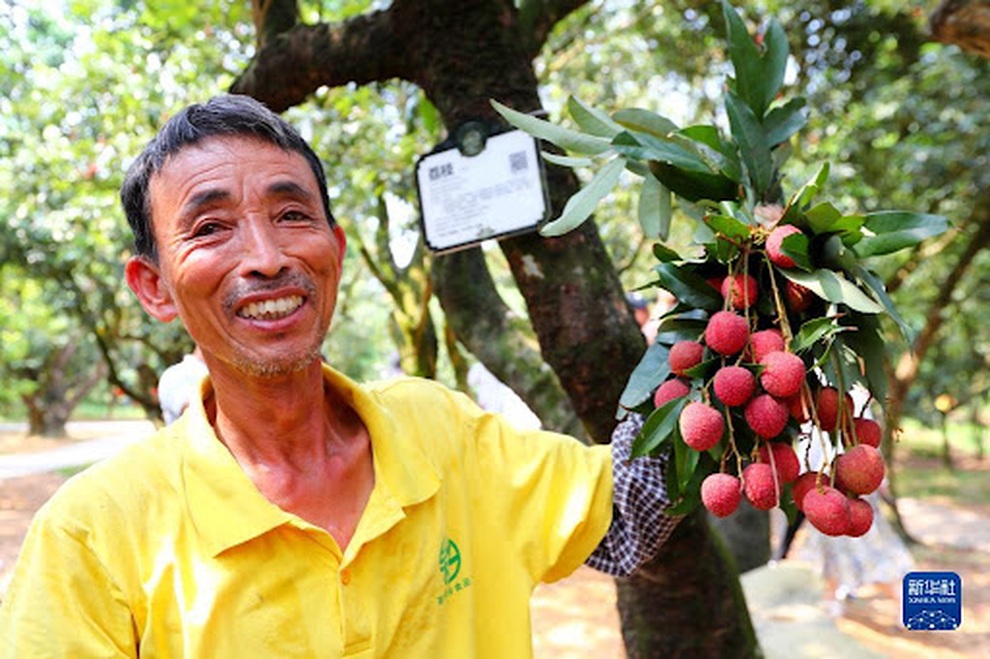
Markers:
point(168, 549)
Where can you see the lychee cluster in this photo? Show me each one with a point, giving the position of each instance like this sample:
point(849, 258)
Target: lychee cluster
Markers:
point(748, 397)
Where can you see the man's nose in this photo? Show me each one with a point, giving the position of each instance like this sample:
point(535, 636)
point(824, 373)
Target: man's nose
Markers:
point(262, 252)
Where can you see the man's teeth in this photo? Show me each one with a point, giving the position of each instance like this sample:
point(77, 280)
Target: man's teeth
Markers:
point(271, 309)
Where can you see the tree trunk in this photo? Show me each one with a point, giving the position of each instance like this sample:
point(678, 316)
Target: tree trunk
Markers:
point(688, 603)
point(501, 340)
point(462, 54)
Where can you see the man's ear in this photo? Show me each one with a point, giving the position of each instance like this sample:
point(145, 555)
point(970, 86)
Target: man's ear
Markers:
point(145, 280)
point(338, 232)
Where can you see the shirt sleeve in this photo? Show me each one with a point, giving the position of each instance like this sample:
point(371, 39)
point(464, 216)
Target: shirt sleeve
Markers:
point(639, 524)
point(61, 601)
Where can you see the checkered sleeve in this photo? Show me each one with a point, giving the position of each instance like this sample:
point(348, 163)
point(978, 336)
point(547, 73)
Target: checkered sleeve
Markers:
point(639, 524)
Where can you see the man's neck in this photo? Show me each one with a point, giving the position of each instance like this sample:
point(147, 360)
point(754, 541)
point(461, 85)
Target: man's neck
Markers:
point(270, 419)
point(303, 446)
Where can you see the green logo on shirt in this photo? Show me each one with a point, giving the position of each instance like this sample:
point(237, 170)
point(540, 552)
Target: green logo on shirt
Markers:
point(450, 568)
point(450, 561)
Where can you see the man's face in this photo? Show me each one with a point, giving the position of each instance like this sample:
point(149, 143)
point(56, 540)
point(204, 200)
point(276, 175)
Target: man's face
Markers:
point(247, 258)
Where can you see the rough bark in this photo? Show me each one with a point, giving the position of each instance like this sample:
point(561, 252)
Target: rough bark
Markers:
point(462, 54)
point(688, 603)
point(965, 23)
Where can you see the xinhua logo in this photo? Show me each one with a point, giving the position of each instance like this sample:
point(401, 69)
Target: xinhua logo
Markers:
point(450, 561)
point(932, 601)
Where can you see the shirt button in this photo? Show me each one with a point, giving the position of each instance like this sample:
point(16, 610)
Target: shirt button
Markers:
point(345, 577)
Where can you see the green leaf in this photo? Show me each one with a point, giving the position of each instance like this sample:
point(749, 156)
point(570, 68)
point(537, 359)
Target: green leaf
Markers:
point(896, 230)
point(813, 331)
point(796, 246)
point(645, 121)
point(694, 186)
point(686, 460)
point(753, 146)
point(745, 59)
point(804, 195)
point(566, 161)
point(651, 370)
point(835, 288)
point(880, 292)
point(665, 254)
point(728, 226)
point(654, 209)
point(565, 138)
point(688, 287)
point(774, 62)
point(822, 217)
point(785, 120)
point(705, 141)
point(645, 146)
point(658, 428)
point(580, 207)
point(639, 168)
point(679, 328)
point(759, 76)
point(867, 342)
point(592, 120)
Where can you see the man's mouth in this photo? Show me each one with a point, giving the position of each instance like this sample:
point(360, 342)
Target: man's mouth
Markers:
point(271, 309)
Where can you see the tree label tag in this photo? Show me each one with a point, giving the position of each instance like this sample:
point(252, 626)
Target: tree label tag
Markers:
point(500, 191)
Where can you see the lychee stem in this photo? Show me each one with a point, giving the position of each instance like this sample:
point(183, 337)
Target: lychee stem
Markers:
point(785, 325)
point(733, 450)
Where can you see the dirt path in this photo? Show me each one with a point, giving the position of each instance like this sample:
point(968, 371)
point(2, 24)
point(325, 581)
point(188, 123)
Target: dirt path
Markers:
point(576, 618)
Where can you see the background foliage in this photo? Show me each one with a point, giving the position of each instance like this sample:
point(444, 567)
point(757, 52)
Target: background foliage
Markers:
point(83, 89)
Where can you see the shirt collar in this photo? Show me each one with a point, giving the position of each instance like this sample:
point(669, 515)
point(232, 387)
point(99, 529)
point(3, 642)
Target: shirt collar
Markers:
point(227, 509)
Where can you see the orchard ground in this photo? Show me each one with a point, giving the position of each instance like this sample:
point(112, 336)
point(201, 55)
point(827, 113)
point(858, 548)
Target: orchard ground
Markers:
point(948, 511)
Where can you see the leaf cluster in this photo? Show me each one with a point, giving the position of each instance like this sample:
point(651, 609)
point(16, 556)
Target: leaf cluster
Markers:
point(730, 184)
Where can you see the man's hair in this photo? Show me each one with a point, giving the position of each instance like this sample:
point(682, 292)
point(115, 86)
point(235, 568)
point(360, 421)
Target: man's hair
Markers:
point(228, 114)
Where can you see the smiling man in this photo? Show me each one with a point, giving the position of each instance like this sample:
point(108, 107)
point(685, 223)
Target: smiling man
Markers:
point(292, 512)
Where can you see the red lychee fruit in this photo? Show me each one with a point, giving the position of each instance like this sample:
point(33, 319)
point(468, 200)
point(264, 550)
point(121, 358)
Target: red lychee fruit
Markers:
point(715, 282)
point(798, 297)
point(785, 460)
point(701, 426)
point(783, 374)
point(827, 408)
point(734, 385)
point(867, 431)
point(721, 493)
point(685, 355)
point(763, 342)
point(775, 243)
point(827, 510)
point(859, 470)
point(760, 487)
point(805, 483)
point(860, 517)
point(766, 415)
point(740, 290)
point(669, 390)
point(726, 333)
point(798, 408)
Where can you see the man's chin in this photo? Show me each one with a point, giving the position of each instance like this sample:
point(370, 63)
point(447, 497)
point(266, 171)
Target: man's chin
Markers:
point(280, 366)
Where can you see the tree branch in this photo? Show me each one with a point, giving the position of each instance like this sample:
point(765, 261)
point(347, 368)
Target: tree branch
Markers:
point(537, 18)
point(294, 63)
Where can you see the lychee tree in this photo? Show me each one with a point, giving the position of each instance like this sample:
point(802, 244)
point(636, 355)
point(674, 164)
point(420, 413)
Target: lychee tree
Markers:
point(778, 313)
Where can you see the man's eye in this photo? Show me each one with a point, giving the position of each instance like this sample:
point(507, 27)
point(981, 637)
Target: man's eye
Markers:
point(206, 229)
point(294, 216)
